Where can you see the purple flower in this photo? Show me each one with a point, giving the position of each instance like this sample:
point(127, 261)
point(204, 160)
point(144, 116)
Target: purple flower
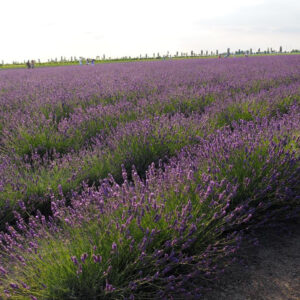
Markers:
point(14, 285)
point(114, 246)
point(97, 258)
point(109, 287)
point(84, 257)
point(74, 260)
point(25, 286)
point(22, 205)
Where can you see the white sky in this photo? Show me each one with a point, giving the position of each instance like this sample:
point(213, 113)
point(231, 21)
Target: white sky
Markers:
point(32, 29)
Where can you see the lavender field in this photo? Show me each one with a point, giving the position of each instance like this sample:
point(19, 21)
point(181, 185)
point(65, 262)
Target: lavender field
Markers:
point(141, 180)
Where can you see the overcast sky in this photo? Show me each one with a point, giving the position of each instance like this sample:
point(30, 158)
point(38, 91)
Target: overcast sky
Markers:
point(32, 29)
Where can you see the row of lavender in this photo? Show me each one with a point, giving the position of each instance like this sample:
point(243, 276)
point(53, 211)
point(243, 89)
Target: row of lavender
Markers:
point(177, 222)
point(63, 110)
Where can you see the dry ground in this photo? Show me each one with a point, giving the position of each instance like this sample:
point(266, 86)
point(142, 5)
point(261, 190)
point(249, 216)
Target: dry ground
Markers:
point(270, 271)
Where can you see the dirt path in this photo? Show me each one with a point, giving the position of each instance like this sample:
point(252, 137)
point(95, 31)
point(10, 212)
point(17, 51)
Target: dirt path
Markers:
point(270, 271)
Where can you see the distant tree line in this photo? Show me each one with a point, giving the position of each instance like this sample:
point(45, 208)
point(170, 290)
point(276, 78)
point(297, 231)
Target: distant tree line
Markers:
point(192, 53)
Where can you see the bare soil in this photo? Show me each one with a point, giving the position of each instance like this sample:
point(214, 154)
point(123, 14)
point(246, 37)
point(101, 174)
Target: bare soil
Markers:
point(269, 271)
